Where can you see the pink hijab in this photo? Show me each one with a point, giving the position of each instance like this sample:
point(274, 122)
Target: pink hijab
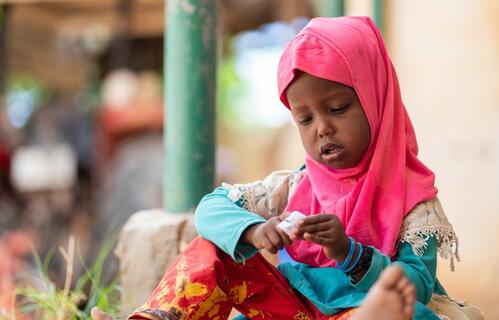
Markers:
point(372, 198)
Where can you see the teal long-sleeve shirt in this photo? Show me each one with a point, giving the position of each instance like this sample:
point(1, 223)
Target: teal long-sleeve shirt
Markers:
point(222, 221)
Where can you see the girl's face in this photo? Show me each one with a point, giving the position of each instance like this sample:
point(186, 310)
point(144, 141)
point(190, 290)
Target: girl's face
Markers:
point(333, 126)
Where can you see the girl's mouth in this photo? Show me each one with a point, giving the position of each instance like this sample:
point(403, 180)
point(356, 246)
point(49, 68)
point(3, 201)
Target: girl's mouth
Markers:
point(331, 152)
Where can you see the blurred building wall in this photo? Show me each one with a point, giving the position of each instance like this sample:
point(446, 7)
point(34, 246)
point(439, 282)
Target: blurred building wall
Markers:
point(447, 57)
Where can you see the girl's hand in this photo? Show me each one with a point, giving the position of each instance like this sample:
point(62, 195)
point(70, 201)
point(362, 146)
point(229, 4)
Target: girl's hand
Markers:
point(267, 236)
point(327, 231)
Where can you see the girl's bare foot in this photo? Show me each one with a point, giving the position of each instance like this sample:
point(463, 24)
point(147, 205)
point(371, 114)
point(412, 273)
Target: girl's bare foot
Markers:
point(99, 315)
point(391, 298)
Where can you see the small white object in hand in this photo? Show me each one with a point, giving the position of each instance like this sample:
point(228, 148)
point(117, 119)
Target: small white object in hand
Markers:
point(291, 222)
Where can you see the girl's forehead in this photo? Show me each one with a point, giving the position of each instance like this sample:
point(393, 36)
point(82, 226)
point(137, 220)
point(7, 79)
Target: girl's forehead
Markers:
point(305, 86)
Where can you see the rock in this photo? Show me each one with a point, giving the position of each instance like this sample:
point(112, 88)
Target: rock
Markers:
point(149, 242)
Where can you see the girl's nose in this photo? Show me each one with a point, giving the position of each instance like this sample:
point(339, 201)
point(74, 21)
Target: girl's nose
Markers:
point(325, 129)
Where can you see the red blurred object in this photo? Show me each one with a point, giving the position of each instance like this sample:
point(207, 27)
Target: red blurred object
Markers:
point(115, 124)
point(14, 246)
point(4, 160)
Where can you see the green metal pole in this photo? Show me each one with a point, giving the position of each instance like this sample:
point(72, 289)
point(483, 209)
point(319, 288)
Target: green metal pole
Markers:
point(190, 86)
point(4, 13)
point(332, 8)
point(378, 14)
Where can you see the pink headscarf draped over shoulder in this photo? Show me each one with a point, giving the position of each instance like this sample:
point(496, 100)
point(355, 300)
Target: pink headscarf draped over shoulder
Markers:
point(372, 198)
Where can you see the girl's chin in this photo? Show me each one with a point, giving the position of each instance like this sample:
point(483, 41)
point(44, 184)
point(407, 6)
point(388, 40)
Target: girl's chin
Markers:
point(337, 165)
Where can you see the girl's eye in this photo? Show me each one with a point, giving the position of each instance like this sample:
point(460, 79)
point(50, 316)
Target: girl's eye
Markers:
point(340, 110)
point(304, 121)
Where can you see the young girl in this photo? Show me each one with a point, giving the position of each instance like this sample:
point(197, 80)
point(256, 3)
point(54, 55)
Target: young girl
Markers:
point(368, 199)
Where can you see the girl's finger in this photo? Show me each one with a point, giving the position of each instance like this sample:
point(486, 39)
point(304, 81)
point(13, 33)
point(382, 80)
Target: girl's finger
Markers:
point(285, 238)
point(295, 235)
point(316, 227)
point(316, 239)
point(317, 219)
point(332, 234)
point(275, 239)
point(268, 245)
point(283, 216)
